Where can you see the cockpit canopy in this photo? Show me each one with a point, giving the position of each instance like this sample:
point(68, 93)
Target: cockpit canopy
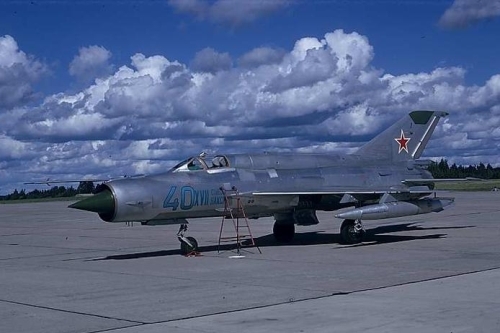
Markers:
point(202, 162)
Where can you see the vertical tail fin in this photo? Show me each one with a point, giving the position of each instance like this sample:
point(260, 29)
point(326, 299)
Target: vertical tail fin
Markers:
point(405, 140)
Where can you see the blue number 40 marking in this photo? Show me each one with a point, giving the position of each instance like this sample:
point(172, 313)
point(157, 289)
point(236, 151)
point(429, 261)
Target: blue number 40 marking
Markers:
point(168, 203)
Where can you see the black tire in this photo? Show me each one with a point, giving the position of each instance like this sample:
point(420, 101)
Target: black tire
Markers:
point(348, 233)
point(186, 249)
point(284, 232)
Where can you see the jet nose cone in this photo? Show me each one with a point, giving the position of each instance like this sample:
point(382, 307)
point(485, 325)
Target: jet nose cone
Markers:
point(101, 203)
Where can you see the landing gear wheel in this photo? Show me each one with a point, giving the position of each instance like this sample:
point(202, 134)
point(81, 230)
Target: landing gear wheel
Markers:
point(189, 248)
point(351, 232)
point(283, 232)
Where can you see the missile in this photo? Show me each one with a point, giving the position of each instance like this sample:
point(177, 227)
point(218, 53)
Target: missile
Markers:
point(396, 209)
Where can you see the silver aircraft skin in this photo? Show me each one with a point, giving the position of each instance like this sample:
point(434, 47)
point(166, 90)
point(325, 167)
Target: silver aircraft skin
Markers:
point(382, 179)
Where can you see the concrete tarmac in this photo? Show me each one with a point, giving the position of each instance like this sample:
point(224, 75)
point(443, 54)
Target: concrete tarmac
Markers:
point(63, 270)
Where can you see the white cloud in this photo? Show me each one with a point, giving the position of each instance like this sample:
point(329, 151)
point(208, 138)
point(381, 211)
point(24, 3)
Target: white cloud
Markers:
point(18, 72)
point(210, 61)
point(320, 95)
point(463, 13)
point(236, 12)
point(229, 12)
point(261, 56)
point(90, 63)
point(198, 8)
point(11, 149)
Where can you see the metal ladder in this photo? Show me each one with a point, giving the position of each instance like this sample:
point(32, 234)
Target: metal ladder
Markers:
point(235, 214)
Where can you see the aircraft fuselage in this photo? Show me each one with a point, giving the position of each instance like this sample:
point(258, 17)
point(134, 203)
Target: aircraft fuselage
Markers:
point(177, 195)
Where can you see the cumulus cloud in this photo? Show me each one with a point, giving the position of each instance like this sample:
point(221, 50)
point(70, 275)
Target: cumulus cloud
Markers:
point(464, 13)
point(11, 149)
point(210, 61)
point(229, 12)
point(91, 62)
point(322, 94)
point(261, 56)
point(18, 72)
point(310, 92)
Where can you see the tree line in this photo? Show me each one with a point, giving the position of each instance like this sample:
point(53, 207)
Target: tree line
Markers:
point(440, 169)
point(85, 187)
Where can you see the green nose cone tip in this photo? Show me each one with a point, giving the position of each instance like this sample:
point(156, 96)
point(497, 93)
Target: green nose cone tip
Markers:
point(101, 202)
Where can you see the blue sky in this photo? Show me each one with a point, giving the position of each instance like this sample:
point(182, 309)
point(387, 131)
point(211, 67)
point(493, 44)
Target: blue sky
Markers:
point(405, 33)
point(106, 88)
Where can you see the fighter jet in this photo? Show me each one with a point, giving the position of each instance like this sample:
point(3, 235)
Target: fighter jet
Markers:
point(382, 179)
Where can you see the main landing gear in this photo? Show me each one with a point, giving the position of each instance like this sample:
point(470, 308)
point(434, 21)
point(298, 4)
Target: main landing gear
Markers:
point(283, 232)
point(189, 245)
point(352, 232)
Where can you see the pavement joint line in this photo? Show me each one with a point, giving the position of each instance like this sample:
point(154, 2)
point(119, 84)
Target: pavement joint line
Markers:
point(116, 328)
point(43, 255)
point(70, 311)
point(307, 299)
point(64, 248)
point(213, 255)
point(10, 235)
point(81, 250)
point(228, 283)
point(427, 280)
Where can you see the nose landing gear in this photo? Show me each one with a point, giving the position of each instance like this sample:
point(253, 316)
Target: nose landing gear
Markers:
point(189, 245)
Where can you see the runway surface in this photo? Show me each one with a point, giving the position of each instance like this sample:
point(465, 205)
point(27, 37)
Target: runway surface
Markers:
point(63, 270)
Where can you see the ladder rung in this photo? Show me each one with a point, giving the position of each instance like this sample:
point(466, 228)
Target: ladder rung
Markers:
point(233, 210)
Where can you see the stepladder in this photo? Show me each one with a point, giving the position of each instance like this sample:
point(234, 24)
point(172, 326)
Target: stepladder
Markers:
point(239, 227)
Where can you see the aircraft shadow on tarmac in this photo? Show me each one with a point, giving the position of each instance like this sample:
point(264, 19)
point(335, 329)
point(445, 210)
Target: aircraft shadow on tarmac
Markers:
point(375, 236)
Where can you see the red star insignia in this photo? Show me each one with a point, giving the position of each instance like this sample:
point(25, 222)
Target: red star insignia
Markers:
point(403, 142)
